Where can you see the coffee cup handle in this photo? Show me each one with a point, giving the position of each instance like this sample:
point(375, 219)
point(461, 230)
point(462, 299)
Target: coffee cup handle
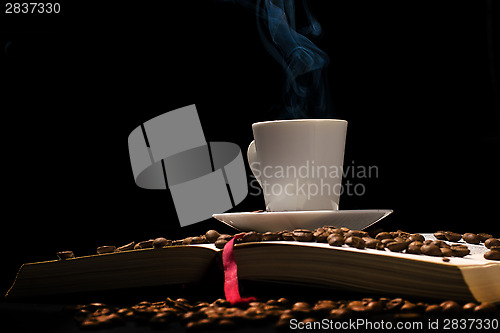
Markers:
point(253, 161)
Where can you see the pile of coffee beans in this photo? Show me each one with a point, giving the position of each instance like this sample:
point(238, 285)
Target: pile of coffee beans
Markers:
point(200, 315)
point(493, 244)
point(394, 241)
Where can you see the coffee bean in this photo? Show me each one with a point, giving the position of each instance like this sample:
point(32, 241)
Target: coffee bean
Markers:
point(431, 250)
point(437, 243)
point(197, 240)
point(397, 246)
point(161, 242)
point(414, 247)
point(144, 244)
point(356, 306)
point(483, 237)
point(451, 307)
point(254, 309)
point(485, 307)
point(201, 324)
point(319, 230)
point(226, 324)
point(284, 322)
point(287, 236)
point(460, 250)
point(336, 231)
point(273, 310)
point(403, 234)
point(322, 308)
point(440, 235)
point(444, 245)
point(321, 236)
point(339, 313)
point(225, 237)
point(222, 302)
point(94, 306)
point(446, 259)
point(469, 307)
point(355, 242)
point(284, 302)
point(386, 241)
point(446, 252)
point(122, 311)
point(301, 308)
point(407, 316)
point(416, 243)
point(220, 243)
point(272, 302)
point(383, 235)
point(251, 236)
point(126, 247)
point(106, 249)
point(212, 236)
point(90, 323)
point(409, 307)
point(452, 236)
point(302, 235)
point(374, 306)
point(102, 311)
point(356, 233)
point(399, 239)
point(115, 319)
point(335, 240)
point(471, 238)
point(271, 236)
point(144, 304)
point(187, 241)
point(200, 305)
point(63, 255)
point(492, 242)
point(433, 309)
point(160, 319)
point(373, 243)
point(416, 237)
point(394, 304)
point(492, 255)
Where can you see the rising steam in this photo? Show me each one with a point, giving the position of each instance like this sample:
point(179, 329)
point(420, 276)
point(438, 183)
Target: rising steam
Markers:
point(306, 93)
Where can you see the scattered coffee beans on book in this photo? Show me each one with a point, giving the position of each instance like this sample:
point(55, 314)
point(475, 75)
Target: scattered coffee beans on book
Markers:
point(394, 241)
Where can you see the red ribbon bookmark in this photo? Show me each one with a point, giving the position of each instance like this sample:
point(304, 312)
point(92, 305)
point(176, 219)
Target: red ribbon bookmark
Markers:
point(231, 287)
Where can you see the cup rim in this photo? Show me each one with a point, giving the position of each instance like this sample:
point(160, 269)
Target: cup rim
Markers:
point(309, 120)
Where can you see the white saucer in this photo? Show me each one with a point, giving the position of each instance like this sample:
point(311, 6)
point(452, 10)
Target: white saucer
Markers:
point(278, 221)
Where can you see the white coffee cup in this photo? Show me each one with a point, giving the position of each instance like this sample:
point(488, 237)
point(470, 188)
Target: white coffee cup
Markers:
point(298, 163)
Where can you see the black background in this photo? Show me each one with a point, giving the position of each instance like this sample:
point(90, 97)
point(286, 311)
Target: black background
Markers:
point(412, 78)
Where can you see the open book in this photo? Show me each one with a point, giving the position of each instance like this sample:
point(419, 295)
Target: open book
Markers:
point(471, 278)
